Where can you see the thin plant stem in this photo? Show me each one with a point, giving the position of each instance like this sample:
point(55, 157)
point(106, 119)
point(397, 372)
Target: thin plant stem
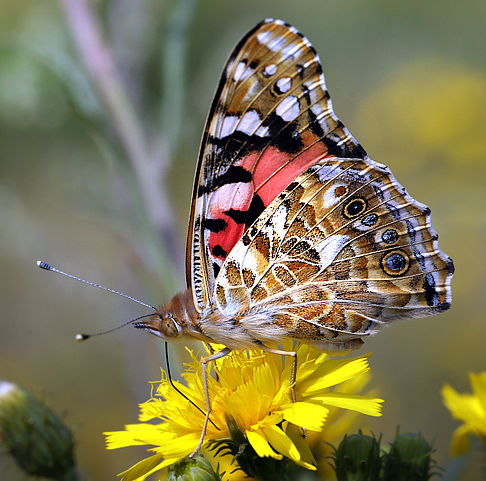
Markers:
point(149, 170)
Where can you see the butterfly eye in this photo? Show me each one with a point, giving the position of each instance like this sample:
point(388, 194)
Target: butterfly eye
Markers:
point(160, 326)
point(169, 328)
point(395, 263)
point(354, 208)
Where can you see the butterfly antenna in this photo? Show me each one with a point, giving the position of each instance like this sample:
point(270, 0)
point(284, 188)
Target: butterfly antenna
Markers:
point(48, 267)
point(169, 375)
point(83, 337)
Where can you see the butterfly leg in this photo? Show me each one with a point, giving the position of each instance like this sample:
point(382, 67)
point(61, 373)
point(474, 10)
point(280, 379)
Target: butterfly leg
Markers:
point(204, 361)
point(293, 374)
point(211, 352)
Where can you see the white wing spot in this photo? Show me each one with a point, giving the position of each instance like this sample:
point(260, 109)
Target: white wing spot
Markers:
point(242, 72)
point(255, 87)
point(262, 132)
point(270, 70)
point(330, 197)
point(229, 125)
point(222, 198)
point(278, 219)
point(327, 172)
point(288, 108)
point(308, 44)
point(315, 92)
point(229, 68)
point(284, 84)
point(290, 51)
point(323, 117)
point(249, 122)
point(263, 37)
point(329, 248)
point(276, 44)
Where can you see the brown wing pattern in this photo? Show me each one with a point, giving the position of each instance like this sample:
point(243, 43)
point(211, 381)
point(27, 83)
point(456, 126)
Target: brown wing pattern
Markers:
point(340, 251)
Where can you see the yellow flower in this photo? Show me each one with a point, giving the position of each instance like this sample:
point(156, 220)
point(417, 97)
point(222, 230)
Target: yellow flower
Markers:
point(469, 408)
point(252, 389)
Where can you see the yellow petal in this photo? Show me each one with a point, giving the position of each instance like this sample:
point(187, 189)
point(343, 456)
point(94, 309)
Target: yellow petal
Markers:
point(478, 384)
point(263, 380)
point(332, 372)
point(178, 447)
point(130, 437)
point(464, 407)
point(362, 404)
point(281, 442)
point(461, 442)
point(306, 415)
point(260, 444)
point(306, 457)
point(145, 468)
point(245, 405)
point(452, 399)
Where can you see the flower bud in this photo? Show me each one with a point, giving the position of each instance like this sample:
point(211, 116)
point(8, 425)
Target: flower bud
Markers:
point(196, 469)
point(35, 437)
point(409, 459)
point(357, 458)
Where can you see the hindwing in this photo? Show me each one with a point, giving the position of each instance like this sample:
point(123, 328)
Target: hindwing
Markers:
point(340, 251)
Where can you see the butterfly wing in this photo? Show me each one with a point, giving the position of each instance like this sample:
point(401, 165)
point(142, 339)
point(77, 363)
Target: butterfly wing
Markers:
point(340, 251)
point(270, 120)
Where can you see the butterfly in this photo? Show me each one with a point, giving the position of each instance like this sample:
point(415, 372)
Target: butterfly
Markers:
point(294, 231)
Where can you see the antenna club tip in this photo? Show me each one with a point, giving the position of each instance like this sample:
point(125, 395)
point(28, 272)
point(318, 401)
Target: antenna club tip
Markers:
point(44, 265)
point(82, 337)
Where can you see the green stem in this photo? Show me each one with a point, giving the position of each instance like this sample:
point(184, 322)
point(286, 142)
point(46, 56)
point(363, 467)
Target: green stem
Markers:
point(149, 169)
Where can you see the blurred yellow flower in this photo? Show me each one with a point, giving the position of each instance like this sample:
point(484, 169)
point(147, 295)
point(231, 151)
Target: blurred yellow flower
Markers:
point(469, 408)
point(253, 389)
point(416, 103)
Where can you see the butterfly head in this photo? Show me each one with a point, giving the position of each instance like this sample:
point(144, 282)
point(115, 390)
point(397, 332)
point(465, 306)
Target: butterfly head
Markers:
point(162, 325)
point(172, 321)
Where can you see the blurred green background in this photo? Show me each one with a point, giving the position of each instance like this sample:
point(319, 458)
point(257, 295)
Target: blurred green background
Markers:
point(407, 78)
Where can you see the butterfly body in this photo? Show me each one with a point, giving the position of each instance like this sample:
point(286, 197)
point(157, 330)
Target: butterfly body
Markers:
point(294, 231)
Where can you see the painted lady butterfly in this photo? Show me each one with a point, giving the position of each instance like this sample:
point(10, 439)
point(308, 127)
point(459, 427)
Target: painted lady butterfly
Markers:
point(294, 231)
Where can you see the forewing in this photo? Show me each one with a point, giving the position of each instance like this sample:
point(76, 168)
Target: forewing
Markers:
point(340, 251)
point(270, 120)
